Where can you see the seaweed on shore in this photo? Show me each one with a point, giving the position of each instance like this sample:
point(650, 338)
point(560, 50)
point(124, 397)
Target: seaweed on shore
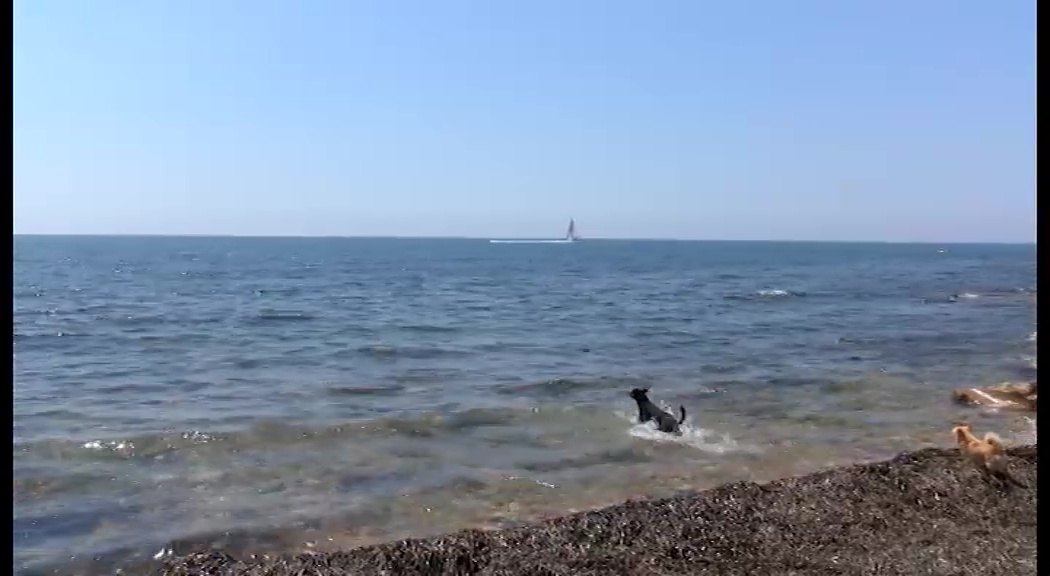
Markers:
point(924, 512)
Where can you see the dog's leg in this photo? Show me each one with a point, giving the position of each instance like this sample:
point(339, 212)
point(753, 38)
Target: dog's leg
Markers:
point(997, 467)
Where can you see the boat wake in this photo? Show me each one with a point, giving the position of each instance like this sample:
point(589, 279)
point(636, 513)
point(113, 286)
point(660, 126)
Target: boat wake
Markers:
point(531, 241)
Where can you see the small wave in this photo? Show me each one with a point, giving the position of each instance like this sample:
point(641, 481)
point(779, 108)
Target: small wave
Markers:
point(127, 447)
point(720, 368)
point(949, 299)
point(273, 317)
point(38, 311)
point(50, 412)
point(282, 292)
point(790, 381)
point(432, 424)
point(429, 328)
point(969, 295)
point(766, 293)
point(117, 446)
point(144, 446)
point(136, 323)
point(43, 335)
point(611, 456)
point(275, 433)
point(563, 386)
point(31, 292)
point(388, 352)
point(1032, 337)
point(366, 390)
point(479, 417)
point(1009, 291)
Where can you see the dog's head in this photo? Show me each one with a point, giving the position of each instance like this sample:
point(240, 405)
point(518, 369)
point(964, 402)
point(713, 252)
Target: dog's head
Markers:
point(963, 397)
point(639, 394)
point(962, 433)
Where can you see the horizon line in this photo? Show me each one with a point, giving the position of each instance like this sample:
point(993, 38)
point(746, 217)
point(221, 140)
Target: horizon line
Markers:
point(486, 238)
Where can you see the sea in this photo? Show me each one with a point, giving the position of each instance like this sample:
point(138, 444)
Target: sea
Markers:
point(267, 395)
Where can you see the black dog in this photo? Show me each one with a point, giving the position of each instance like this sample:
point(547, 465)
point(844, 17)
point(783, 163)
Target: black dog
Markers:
point(648, 411)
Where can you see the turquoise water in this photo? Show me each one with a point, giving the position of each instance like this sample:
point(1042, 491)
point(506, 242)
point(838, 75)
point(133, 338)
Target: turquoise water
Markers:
point(295, 394)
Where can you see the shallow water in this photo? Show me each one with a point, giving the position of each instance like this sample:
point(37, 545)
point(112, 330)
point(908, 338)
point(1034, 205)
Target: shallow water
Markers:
point(318, 393)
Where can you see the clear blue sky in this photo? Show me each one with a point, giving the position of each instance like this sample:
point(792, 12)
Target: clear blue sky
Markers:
point(838, 119)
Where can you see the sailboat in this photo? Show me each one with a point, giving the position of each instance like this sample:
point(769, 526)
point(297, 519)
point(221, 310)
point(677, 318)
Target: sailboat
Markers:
point(570, 234)
point(570, 237)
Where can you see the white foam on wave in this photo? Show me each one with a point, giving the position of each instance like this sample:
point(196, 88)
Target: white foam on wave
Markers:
point(774, 292)
point(1029, 436)
point(1032, 337)
point(969, 295)
point(702, 439)
point(111, 445)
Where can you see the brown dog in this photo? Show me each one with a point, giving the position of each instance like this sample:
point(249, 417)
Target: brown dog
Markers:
point(989, 454)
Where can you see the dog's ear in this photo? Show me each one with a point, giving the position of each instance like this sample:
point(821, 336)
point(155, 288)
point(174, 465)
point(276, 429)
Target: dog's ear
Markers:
point(646, 390)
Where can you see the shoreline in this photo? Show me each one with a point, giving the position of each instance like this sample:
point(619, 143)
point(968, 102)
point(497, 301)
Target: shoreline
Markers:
point(927, 511)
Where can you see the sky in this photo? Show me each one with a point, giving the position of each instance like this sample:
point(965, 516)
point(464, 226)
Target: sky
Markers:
point(884, 120)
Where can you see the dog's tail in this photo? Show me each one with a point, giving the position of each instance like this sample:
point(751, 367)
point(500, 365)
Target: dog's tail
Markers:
point(682, 410)
point(996, 442)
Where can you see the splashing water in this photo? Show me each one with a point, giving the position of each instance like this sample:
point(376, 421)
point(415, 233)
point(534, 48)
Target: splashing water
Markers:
point(702, 439)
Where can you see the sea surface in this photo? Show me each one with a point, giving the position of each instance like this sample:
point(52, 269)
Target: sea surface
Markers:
point(286, 394)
